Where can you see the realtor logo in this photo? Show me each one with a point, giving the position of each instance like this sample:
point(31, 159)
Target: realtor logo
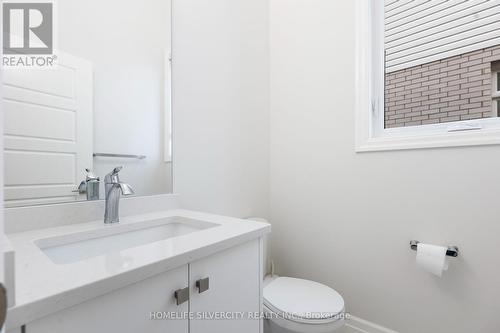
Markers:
point(28, 28)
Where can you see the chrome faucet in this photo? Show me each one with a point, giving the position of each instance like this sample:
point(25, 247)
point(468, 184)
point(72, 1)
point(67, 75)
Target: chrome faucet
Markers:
point(113, 189)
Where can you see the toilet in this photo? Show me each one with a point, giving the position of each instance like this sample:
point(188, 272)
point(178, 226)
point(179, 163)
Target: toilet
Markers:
point(301, 306)
point(296, 305)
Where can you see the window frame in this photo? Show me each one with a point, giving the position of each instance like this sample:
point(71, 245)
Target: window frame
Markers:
point(495, 91)
point(371, 134)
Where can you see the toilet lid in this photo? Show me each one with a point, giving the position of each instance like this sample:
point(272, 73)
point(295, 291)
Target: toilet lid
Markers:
point(302, 299)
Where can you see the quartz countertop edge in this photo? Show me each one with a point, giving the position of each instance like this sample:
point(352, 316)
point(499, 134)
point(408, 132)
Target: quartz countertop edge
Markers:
point(57, 287)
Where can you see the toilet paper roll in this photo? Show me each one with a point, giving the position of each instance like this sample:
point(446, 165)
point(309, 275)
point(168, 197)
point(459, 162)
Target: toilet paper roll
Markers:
point(432, 258)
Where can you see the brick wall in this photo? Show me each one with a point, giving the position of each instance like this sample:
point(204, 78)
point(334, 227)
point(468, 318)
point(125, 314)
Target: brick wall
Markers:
point(451, 89)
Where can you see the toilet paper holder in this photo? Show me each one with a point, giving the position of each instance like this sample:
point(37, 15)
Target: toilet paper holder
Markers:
point(451, 252)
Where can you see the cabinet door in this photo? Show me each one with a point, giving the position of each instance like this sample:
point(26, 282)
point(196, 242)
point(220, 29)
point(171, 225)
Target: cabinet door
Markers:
point(127, 310)
point(14, 330)
point(234, 287)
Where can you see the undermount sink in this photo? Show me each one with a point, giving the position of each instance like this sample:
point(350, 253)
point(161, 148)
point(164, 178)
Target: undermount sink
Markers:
point(75, 247)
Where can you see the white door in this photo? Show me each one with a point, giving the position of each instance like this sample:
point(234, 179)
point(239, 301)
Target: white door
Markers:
point(47, 131)
point(138, 308)
point(234, 282)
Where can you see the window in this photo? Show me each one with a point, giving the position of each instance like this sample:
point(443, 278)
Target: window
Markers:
point(428, 74)
point(495, 91)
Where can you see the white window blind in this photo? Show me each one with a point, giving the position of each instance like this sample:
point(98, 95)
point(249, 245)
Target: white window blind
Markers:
point(422, 31)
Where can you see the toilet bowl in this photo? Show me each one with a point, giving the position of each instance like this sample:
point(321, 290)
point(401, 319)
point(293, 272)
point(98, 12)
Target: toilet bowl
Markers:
point(301, 306)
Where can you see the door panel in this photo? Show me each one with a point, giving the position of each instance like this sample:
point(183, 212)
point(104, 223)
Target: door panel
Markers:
point(127, 310)
point(48, 132)
point(233, 287)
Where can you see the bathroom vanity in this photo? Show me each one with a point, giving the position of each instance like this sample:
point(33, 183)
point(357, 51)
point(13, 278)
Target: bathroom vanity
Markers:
point(163, 271)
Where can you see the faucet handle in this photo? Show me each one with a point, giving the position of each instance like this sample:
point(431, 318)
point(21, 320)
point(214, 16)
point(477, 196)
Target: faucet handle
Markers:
point(116, 170)
point(112, 177)
point(91, 176)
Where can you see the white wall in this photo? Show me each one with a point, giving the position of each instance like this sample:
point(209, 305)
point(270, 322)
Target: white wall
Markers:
point(341, 218)
point(221, 105)
point(127, 42)
point(345, 219)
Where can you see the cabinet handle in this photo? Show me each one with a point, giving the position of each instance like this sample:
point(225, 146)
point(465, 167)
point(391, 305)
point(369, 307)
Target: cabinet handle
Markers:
point(203, 285)
point(181, 295)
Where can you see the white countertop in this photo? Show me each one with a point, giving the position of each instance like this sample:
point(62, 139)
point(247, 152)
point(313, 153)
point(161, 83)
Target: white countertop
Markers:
point(43, 287)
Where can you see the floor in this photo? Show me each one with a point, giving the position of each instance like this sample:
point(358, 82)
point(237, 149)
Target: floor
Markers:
point(348, 329)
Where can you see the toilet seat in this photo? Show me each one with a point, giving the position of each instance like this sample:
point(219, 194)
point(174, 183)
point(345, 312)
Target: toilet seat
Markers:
point(302, 301)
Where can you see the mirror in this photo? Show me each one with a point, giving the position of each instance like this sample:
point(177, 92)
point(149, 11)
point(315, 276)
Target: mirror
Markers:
point(103, 102)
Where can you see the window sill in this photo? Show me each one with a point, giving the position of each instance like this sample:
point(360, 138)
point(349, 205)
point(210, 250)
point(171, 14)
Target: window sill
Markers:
point(481, 137)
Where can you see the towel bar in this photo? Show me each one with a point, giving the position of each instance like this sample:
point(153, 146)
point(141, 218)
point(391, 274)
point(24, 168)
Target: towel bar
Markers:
point(139, 157)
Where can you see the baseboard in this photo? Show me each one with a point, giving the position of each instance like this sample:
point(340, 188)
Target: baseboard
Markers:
point(358, 325)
